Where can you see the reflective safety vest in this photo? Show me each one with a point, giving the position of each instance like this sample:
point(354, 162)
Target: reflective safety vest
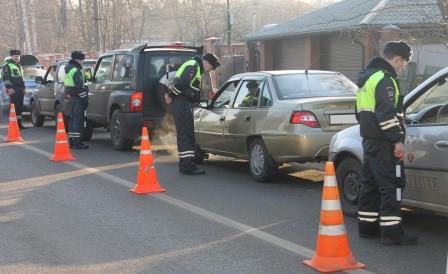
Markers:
point(68, 79)
point(195, 83)
point(365, 97)
point(16, 70)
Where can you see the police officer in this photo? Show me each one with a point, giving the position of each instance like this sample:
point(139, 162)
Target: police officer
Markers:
point(184, 94)
point(379, 107)
point(14, 84)
point(77, 91)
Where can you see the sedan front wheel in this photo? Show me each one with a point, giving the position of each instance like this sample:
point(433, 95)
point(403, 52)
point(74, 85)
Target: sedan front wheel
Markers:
point(261, 165)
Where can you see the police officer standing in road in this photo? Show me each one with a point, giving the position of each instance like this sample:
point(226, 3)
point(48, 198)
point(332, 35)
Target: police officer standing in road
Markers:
point(380, 110)
point(14, 84)
point(77, 91)
point(184, 94)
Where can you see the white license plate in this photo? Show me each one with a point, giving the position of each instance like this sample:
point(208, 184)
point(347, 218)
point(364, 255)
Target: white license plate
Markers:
point(343, 119)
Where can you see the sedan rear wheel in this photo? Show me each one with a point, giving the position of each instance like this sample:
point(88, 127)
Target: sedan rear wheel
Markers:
point(261, 165)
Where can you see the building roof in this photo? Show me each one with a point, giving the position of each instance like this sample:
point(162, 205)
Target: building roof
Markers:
point(354, 14)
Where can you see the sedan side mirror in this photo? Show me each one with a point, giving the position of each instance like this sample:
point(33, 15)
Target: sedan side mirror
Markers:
point(39, 80)
point(203, 104)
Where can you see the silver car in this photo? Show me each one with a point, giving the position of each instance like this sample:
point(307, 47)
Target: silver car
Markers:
point(426, 143)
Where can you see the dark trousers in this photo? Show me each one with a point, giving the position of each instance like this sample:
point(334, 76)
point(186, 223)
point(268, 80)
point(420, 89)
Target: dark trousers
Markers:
point(379, 203)
point(77, 119)
point(17, 100)
point(183, 119)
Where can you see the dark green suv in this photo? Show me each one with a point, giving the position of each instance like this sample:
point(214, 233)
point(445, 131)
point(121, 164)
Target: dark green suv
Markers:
point(124, 93)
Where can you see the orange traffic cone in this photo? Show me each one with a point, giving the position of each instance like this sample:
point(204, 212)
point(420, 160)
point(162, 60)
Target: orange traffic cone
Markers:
point(147, 177)
point(332, 248)
point(13, 128)
point(61, 148)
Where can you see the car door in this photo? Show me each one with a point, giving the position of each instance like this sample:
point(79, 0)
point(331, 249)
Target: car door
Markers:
point(427, 141)
point(46, 90)
point(210, 121)
point(99, 90)
point(243, 116)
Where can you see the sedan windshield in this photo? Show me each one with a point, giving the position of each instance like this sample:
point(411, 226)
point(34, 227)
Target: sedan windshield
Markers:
point(300, 85)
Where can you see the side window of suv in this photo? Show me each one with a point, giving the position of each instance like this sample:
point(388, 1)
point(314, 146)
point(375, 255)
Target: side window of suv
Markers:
point(103, 71)
point(122, 68)
point(61, 74)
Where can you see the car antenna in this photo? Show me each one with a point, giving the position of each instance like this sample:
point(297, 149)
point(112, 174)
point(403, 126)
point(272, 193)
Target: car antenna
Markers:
point(306, 73)
point(314, 62)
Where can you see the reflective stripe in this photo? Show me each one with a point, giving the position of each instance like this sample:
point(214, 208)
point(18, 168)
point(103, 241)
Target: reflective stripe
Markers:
point(176, 91)
point(19, 117)
point(386, 127)
point(60, 131)
point(61, 142)
point(365, 109)
point(187, 156)
point(331, 230)
point(389, 121)
point(12, 119)
point(145, 138)
point(370, 220)
point(331, 205)
point(390, 218)
point(330, 181)
point(366, 213)
point(195, 88)
point(186, 152)
point(389, 223)
point(60, 120)
point(145, 152)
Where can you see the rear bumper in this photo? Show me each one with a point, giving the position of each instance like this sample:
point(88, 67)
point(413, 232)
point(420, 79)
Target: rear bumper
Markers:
point(133, 123)
point(299, 148)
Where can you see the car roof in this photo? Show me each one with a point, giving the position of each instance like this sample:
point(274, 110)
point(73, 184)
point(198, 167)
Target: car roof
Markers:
point(278, 72)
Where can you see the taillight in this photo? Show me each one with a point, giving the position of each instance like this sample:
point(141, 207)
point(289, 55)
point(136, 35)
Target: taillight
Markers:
point(136, 102)
point(304, 118)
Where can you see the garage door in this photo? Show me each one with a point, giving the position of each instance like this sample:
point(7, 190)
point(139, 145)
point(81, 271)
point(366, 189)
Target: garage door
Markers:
point(288, 54)
point(340, 54)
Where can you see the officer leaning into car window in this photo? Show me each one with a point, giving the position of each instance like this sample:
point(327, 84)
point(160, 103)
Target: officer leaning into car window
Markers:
point(184, 94)
point(77, 91)
point(14, 84)
point(379, 106)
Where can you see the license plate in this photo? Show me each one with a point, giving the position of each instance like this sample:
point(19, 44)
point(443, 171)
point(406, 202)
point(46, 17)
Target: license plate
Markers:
point(343, 119)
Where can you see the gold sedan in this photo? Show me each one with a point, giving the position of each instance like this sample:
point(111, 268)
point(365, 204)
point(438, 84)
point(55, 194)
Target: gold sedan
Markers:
point(274, 117)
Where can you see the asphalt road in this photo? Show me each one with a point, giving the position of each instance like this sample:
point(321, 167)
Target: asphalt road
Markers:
point(79, 217)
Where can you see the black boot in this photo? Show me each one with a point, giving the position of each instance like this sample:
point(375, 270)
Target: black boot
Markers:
point(21, 126)
point(403, 239)
point(80, 145)
point(195, 171)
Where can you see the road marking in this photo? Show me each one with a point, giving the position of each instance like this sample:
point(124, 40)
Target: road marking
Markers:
point(447, 263)
point(18, 143)
point(243, 228)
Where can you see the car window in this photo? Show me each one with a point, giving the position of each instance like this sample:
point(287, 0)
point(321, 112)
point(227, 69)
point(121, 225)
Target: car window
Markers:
point(103, 71)
point(123, 68)
point(300, 85)
point(248, 94)
point(225, 96)
point(430, 107)
point(61, 74)
point(266, 97)
point(51, 74)
point(158, 64)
